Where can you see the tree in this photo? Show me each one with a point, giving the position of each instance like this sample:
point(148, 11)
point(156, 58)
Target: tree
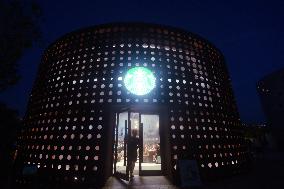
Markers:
point(19, 30)
point(9, 125)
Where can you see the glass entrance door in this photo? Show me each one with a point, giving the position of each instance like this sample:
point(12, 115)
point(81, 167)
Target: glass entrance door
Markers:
point(150, 153)
point(121, 136)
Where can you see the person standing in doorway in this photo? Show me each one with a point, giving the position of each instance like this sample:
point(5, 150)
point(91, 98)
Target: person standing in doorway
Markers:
point(133, 145)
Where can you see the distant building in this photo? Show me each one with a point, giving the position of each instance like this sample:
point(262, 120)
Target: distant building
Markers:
point(256, 134)
point(271, 93)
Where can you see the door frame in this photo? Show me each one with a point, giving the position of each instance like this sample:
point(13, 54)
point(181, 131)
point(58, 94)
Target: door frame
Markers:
point(127, 129)
point(148, 172)
point(162, 112)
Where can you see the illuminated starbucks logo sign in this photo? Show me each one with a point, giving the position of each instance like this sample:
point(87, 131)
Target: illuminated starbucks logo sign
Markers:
point(139, 81)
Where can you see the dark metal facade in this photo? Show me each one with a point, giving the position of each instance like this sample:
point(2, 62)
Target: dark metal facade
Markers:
point(81, 78)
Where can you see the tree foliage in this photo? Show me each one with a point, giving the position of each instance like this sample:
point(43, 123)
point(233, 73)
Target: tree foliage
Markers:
point(19, 30)
point(9, 125)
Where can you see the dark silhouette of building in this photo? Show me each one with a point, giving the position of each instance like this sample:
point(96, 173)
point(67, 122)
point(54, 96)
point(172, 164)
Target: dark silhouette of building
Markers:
point(256, 137)
point(271, 93)
point(82, 85)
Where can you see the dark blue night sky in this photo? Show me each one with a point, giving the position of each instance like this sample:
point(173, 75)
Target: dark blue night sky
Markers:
point(250, 33)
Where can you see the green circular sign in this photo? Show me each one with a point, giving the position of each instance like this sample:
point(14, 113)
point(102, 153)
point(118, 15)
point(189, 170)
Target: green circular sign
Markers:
point(139, 80)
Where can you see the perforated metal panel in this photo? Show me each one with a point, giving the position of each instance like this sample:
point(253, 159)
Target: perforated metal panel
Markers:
point(81, 78)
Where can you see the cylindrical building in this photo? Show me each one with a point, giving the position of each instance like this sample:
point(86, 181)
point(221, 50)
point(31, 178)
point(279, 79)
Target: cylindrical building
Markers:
point(96, 85)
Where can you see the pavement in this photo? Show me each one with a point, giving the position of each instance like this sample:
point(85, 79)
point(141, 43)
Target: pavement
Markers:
point(139, 182)
point(267, 172)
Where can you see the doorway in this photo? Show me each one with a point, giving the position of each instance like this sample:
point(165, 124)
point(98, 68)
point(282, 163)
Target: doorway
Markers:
point(149, 159)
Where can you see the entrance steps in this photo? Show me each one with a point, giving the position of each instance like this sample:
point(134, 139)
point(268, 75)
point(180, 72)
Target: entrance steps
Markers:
point(139, 182)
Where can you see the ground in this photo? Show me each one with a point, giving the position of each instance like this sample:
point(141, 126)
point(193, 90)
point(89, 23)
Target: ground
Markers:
point(267, 173)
